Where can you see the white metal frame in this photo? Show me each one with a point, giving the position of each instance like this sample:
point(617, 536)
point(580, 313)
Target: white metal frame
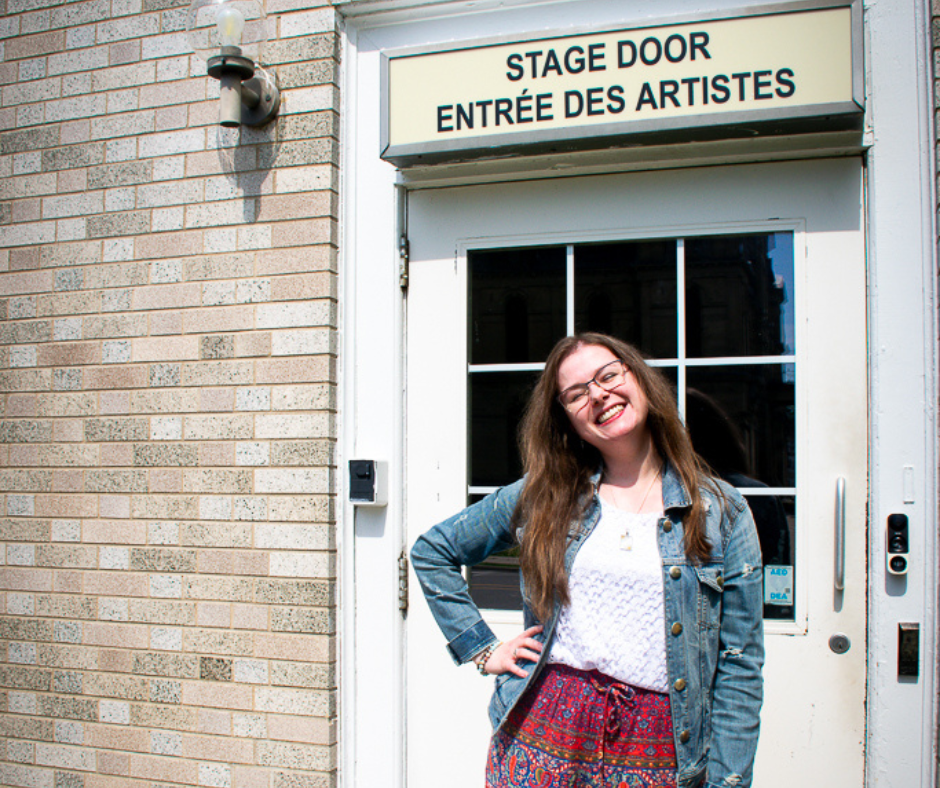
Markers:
point(903, 336)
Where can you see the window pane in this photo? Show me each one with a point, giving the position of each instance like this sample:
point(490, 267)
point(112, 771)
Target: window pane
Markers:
point(628, 290)
point(775, 518)
point(517, 304)
point(739, 295)
point(742, 422)
point(497, 401)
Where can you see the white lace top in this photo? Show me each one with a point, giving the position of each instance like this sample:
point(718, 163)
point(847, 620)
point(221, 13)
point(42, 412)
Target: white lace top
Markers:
point(615, 622)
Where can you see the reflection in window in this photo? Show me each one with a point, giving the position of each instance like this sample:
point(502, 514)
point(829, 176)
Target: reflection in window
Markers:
point(517, 303)
point(628, 290)
point(736, 299)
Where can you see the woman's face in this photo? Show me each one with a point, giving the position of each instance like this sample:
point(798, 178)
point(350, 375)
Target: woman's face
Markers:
point(609, 420)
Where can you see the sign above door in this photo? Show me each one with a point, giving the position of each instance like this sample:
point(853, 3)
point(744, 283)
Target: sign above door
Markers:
point(786, 70)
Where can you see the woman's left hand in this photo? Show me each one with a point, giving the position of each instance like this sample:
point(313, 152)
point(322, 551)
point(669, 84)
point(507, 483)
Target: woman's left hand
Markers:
point(507, 657)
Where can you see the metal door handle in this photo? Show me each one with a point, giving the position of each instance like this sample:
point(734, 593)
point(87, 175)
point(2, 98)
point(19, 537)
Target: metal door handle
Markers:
point(840, 535)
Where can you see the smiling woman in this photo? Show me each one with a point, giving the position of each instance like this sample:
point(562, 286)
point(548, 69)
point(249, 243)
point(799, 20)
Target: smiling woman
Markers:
point(596, 690)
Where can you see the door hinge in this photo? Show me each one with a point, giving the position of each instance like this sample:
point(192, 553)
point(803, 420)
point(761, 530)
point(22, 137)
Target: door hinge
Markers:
point(403, 583)
point(403, 257)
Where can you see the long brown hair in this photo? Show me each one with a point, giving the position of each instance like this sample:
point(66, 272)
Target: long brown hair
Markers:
point(559, 466)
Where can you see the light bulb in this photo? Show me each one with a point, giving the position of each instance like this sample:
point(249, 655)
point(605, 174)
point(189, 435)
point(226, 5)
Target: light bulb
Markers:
point(230, 24)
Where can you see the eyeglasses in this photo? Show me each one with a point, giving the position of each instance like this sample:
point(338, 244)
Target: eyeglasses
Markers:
point(608, 377)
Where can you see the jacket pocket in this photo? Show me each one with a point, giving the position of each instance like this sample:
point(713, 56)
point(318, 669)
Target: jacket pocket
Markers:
point(710, 585)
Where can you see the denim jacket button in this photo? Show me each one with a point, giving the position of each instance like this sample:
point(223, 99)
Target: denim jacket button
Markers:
point(675, 573)
point(720, 581)
point(684, 737)
point(676, 628)
point(679, 685)
point(667, 525)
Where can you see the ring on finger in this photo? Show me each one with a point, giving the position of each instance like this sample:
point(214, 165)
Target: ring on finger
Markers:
point(515, 654)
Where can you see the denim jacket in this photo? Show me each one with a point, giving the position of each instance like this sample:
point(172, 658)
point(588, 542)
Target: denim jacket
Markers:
point(714, 655)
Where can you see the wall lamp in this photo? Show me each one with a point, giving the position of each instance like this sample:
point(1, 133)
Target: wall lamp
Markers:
point(229, 35)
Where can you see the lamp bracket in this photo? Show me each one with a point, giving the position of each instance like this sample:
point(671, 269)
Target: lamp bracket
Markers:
point(264, 86)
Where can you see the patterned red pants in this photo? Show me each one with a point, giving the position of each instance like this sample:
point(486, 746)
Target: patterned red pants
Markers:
point(577, 729)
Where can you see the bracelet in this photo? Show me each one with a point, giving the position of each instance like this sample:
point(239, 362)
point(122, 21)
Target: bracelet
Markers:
point(485, 656)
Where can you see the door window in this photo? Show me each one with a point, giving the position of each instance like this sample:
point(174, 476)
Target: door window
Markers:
point(715, 313)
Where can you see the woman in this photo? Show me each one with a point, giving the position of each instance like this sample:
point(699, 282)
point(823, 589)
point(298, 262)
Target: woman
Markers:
point(640, 662)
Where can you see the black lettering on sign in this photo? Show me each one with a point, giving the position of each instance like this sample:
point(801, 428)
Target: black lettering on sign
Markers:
point(596, 58)
point(615, 101)
point(524, 108)
point(574, 103)
point(689, 82)
point(465, 116)
point(595, 101)
point(443, 116)
point(698, 42)
point(667, 90)
point(762, 85)
point(785, 78)
point(742, 78)
point(675, 54)
point(578, 66)
point(646, 97)
point(534, 58)
point(543, 107)
point(721, 92)
point(514, 63)
point(657, 49)
point(483, 105)
point(551, 64)
point(504, 110)
point(626, 54)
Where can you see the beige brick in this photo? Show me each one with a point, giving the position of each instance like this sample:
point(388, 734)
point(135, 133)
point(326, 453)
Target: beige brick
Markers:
point(306, 757)
point(213, 614)
point(23, 47)
point(168, 297)
point(109, 378)
point(173, 770)
point(174, 718)
point(313, 730)
point(228, 427)
point(69, 354)
point(218, 696)
point(296, 260)
point(66, 505)
point(315, 648)
point(165, 507)
point(115, 454)
point(116, 737)
point(251, 617)
point(218, 319)
point(169, 401)
point(113, 763)
point(116, 584)
point(308, 286)
point(166, 349)
point(218, 454)
point(166, 481)
point(114, 635)
point(21, 579)
point(217, 748)
point(149, 247)
point(282, 207)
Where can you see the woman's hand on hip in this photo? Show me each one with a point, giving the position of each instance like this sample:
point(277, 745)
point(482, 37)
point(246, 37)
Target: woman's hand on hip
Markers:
point(509, 655)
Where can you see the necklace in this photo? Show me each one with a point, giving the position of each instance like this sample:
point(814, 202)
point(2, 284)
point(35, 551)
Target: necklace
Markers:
point(626, 538)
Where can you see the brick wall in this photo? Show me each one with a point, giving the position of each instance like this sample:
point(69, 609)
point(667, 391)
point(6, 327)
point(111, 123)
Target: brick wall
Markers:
point(167, 370)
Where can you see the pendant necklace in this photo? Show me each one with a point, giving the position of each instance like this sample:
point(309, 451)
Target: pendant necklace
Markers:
point(626, 538)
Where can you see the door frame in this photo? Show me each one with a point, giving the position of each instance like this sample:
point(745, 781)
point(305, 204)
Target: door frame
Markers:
point(902, 303)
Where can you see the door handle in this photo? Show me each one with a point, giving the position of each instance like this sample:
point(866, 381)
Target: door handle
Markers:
point(839, 580)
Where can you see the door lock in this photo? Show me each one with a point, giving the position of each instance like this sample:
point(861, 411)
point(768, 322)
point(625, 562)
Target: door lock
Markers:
point(839, 643)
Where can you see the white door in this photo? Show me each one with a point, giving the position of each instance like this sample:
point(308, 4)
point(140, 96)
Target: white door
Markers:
point(746, 284)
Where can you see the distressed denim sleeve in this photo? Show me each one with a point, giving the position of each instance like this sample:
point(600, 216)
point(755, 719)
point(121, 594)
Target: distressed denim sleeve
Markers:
point(465, 539)
point(738, 690)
